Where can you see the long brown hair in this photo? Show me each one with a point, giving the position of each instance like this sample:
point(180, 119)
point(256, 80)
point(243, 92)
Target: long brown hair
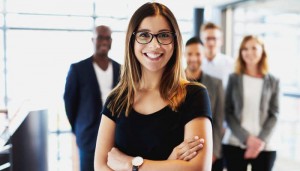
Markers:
point(172, 88)
point(240, 66)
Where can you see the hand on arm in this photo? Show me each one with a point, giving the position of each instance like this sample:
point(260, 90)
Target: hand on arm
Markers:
point(119, 161)
point(187, 149)
point(254, 147)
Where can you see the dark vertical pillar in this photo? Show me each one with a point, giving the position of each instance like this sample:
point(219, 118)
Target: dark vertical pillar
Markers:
point(30, 143)
point(198, 20)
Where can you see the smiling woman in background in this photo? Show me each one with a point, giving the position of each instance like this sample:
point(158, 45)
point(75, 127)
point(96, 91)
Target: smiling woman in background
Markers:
point(154, 108)
point(251, 110)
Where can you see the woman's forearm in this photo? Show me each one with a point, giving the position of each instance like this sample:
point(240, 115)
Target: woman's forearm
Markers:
point(103, 168)
point(173, 165)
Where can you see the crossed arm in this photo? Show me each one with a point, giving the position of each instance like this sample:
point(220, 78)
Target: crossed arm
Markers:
point(108, 158)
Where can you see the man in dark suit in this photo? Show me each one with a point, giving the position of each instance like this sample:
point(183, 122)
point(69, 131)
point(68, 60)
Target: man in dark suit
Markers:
point(87, 86)
point(194, 54)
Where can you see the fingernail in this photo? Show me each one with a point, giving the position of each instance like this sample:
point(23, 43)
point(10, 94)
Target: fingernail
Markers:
point(201, 140)
point(196, 137)
point(200, 145)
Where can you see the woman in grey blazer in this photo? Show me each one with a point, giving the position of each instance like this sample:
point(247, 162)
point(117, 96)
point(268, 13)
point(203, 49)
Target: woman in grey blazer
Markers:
point(251, 110)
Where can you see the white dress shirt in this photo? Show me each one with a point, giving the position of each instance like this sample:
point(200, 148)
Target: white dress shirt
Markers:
point(221, 66)
point(105, 80)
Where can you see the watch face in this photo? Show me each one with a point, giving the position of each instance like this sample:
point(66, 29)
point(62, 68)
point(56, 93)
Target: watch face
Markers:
point(137, 161)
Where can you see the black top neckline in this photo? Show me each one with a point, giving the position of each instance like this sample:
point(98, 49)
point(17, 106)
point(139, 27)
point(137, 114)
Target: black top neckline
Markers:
point(151, 114)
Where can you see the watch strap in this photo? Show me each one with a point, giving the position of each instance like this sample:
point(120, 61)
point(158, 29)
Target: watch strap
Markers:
point(135, 168)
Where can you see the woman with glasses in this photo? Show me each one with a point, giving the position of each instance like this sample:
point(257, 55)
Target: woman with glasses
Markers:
point(154, 119)
point(251, 110)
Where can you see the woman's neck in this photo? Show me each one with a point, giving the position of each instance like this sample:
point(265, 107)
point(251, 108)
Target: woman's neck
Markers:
point(150, 80)
point(252, 70)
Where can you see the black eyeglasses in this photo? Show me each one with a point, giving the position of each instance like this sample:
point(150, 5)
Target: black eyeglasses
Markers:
point(163, 38)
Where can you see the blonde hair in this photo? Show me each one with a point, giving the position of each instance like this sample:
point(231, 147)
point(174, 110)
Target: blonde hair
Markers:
point(172, 88)
point(240, 66)
point(210, 25)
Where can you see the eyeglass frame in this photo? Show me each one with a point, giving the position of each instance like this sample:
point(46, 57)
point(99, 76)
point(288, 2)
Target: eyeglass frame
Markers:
point(155, 35)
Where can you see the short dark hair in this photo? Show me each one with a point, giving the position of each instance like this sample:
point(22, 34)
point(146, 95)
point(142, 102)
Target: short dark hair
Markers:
point(194, 40)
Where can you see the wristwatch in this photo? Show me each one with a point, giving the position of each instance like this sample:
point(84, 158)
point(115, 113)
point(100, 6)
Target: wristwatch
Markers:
point(136, 163)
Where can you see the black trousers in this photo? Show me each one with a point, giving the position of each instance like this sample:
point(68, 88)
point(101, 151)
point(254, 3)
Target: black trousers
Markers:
point(234, 158)
point(218, 165)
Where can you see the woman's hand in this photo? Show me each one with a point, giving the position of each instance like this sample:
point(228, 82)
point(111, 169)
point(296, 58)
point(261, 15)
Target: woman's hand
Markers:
point(187, 149)
point(254, 147)
point(119, 161)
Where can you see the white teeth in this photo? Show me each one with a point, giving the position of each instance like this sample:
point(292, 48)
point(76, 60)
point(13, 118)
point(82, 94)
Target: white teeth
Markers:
point(154, 55)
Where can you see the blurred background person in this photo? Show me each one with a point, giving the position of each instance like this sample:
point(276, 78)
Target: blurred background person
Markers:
point(251, 110)
point(87, 86)
point(194, 54)
point(215, 63)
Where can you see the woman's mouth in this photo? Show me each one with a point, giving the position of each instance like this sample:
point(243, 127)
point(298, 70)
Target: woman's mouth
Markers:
point(153, 56)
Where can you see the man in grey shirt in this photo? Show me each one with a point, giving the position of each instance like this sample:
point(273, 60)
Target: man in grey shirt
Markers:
point(194, 54)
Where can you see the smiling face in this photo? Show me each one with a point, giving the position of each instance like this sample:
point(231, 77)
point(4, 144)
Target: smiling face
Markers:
point(194, 54)
point(153, 56)
point(252, 52)
point(102, 40)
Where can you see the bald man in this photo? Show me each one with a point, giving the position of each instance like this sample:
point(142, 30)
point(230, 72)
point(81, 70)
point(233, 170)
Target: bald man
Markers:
point(87, 86)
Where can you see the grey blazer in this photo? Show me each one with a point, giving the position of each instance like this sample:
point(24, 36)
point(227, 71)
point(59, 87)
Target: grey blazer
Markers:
point(216, 95)
point(268, 106)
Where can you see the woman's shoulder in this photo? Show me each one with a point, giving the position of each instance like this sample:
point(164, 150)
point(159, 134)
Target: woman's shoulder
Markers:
point(196, 103)
point(235, 75)
point(195, 91)
point(272, 77)
point(194, 87)
point(273, 81)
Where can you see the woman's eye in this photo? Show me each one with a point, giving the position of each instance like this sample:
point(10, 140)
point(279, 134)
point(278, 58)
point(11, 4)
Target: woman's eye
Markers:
point(144, 34)
point(164, 35)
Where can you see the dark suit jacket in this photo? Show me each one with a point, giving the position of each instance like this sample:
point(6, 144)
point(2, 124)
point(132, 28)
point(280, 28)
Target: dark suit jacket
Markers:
point(268, 106)
point(216, 95)
point(83, 101)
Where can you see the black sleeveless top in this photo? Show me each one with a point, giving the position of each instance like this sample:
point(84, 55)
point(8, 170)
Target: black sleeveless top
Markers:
point(154, 136)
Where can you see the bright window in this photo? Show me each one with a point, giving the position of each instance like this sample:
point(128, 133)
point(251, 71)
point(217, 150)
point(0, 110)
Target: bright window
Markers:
point(1, 21)
point(1, 5)
point(38, 61)
point(2, 82)
point(65, 7)
point(47, 22)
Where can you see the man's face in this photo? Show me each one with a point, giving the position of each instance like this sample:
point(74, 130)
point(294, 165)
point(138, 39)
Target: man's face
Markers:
point(212, 40)
point(102, 40)
point(194, 54)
